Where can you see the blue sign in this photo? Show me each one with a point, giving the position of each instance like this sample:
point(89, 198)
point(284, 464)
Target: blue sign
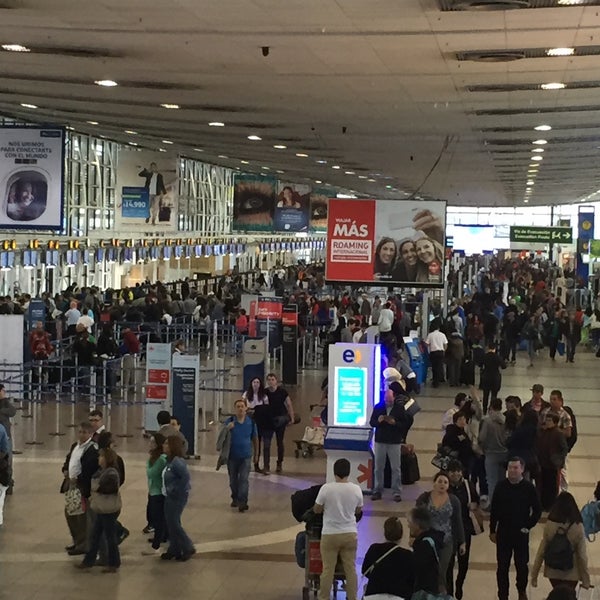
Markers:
point(351, 397)
point(135, 203)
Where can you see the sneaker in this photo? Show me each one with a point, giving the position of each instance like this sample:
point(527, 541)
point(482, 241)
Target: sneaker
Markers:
point(151, 552)
point(148, 529)
point(124, 536)
point(243, 508)
point(376, 496)
point(397, 498)
point(167, 556)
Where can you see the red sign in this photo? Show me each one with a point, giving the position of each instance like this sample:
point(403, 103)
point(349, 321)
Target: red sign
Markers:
point(156, 392)
point(289, 318)
point(158, 376)
point(315, 562)
point(267, 309)
point(350, 239)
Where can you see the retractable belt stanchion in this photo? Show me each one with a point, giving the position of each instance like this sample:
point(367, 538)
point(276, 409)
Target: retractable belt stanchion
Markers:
point(57, 432)
point(136, 363)
point(28, 404)
point(35, 414)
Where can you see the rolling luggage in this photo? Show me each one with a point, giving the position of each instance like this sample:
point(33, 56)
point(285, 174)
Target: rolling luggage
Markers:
point(467, 371)
point(409, 468)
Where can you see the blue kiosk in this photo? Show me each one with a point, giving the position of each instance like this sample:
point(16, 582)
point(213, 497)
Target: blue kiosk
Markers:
point(354, 388)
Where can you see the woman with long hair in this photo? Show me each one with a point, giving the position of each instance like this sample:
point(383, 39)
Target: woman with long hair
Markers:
point(259, 409)
point(155, 511)
point(430, 256)
point(176, 481)
point(446, 517)
point(385, 258)
point(406, 265)
point(564, 518)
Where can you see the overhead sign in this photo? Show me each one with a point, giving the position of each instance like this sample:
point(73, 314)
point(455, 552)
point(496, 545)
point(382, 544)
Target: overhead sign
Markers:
point(555, 235)
point(399, 243)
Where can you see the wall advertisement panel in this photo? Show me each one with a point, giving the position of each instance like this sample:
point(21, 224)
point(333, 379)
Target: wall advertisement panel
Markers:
point(391, 242)
point(292, 208)
point(319, 202)
point(254, 200)
point(31, 177)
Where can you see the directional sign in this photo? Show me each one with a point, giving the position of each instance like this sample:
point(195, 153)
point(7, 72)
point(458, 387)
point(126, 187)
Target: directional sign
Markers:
point(555, 235)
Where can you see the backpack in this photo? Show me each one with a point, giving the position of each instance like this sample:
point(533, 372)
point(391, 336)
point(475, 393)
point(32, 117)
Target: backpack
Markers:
point(590, 515)
point(559, 552)
point(573, 439)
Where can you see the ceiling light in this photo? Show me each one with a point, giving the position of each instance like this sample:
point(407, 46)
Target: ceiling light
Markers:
point(15, 48)
point(301, 155)
point(173, 106)
point(530, 182)
point(245, 162)
point(254, 138)
point(167, 142)
point(131, 132)
point(280, 172)
point(279, 147)
point(538, 150)
point(106, 82)
point(552, 86)
point(162, 150)
point(336, 167)
point(198, 149)
point(560, 51)
point(543, 128)
point(570, 2)
point(362, 176)
point(321, 162)
point(132, 143)
point(537, 158)
point(389, 187)
point(223, 156)
point(318, 181)
point(92, 122)
point(371, 180)
point(532, 171)
point(216, 124)
point(526, 200)
point(25, 105)
point(266, 168)
point(350, 172)
point(540, 142)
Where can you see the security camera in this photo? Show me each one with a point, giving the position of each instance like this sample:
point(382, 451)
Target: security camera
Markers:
point(265, 50)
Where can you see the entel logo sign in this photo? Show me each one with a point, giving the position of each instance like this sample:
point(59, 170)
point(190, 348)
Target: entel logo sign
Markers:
point(349, 356)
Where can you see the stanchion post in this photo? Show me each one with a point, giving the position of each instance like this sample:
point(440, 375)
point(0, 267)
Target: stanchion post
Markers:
point(34, 441)
point(57, 432)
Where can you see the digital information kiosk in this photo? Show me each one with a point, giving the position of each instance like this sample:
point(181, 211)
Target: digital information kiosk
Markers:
point(354, 388)
point(418, 362)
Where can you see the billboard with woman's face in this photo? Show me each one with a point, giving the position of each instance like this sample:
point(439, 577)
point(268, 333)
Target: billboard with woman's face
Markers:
point(394, 242)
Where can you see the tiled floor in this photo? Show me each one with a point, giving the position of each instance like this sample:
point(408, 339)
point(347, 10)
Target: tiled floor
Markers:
point(246, 555)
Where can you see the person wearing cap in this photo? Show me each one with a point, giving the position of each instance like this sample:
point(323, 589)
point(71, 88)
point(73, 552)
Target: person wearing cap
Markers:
point(537, 402)
point(391, 423)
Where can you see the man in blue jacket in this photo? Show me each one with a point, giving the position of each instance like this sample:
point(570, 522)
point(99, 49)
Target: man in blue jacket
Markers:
point(391, 423)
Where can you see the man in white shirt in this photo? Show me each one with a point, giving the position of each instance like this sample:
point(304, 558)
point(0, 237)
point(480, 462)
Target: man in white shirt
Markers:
point(341, 503)
point(156, 189)
point(72, 316)
point(437, 343)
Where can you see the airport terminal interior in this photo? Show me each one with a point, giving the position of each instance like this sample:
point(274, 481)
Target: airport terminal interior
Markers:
point(206, 141)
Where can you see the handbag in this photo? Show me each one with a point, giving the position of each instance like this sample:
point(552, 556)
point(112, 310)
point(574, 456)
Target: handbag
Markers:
point(411, 407)
point(314, 436)
point(74, 501)
point(372, 567)
point(442, 458)
point(475, 515)
point(105, 504)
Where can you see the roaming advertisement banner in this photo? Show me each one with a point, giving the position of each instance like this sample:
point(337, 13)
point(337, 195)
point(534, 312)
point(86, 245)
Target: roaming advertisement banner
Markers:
point(392, 242)
point(31, 177)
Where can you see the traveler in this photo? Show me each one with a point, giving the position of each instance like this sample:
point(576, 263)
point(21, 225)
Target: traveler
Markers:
point(389, 568)
point(96, 419)
point(260, 410)
point(243, 442)
point(7, 411)
point(427, 545)
point(537, 402)
point(106, 505)
point(4, 469)
point(468, 497)
point(437, 343)
point(446, 517)
point(492, 441)
point(155, 510)
point(562, 593)
point(176, 489)
point(522, 442)
point(563, 541)
point(515, 511)
point(391, 423)
point(457, 440)
point(282, 411)
point(167, 429)
point(571, 329)
point(491, 378)
point(341, 503)
point(454, 356)
point(551, 449)
point(459, 401)
point(510, 336)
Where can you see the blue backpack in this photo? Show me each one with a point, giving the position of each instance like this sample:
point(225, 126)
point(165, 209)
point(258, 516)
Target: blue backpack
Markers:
point(590, 515)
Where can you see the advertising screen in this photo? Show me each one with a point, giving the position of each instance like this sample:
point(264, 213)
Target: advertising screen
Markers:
point(352, 397)
point(389, 242)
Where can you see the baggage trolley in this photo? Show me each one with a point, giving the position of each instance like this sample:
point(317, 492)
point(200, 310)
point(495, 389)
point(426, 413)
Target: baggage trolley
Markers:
point(314, 564)
point(313, 436)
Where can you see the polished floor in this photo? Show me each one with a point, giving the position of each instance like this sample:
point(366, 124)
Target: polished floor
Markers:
point(246, 556)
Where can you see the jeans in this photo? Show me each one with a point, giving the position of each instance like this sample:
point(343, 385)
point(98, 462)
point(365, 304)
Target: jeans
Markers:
point(392, 451)
point(487, 392)
point(570, 349)
point(511, 542)
point(267, 437)
point(445, 556)
point(264, 440)
point(104, 524)
point(179, 541)
point(453, 370)
point(3, 489)
point(239, 471)
point(156, 513)
point(477, 474)
point(344, 546)
point(495, 469)
point(531, 349)
point(552, 344)
point(463, 567)
point(437, 366)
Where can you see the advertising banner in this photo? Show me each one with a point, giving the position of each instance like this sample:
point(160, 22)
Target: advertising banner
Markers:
point(268, 320)
point(289, 353)
point(292, 208)
point(186, 373)
point(585, 233)
point(254, 200)
point(319, 202)
point(391, 242)
point(158, 383)
point(31, 177)
point(147, 191)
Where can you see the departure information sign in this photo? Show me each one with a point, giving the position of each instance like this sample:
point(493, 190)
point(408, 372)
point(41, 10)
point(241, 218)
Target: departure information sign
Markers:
point(544, 235)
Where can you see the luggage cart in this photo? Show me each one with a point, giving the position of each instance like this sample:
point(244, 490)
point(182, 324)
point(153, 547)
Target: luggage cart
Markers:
point(314, 435)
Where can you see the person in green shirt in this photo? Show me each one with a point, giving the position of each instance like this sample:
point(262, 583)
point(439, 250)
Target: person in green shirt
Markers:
point(157, 461)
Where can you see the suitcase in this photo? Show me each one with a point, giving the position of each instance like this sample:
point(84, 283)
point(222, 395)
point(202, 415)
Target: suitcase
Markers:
point(467, 372)
point(409, 468)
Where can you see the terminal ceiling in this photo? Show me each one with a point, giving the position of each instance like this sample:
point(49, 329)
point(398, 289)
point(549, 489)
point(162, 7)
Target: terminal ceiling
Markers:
point(387, 90)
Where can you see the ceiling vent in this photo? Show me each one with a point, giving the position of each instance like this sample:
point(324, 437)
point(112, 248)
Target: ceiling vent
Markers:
point(494, 56)
point(490, 5)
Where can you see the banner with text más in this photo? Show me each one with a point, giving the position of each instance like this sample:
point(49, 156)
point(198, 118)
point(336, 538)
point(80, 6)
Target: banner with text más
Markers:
point(394, 242)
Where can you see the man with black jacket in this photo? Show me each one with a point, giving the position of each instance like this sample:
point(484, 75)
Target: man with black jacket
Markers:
point(515, 511)
point(156, 189)
point(79, 467)
point(426, 547)
point(391, 423)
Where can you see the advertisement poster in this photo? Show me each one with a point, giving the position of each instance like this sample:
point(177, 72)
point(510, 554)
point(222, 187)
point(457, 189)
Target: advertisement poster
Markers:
point(147, 191)
point(31, 177)
point(254, 200)
point(186, 372)
point(268, 321)
point(391, 242)
point(319, 202)
point(351, 400)
point(289, 354)
point(585, 233)
point(292, 208)
point(158, 383)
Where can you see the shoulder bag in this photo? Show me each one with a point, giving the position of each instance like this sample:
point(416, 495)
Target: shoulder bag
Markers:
point(475, 515)
point(370, 570)
point(74, 501)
